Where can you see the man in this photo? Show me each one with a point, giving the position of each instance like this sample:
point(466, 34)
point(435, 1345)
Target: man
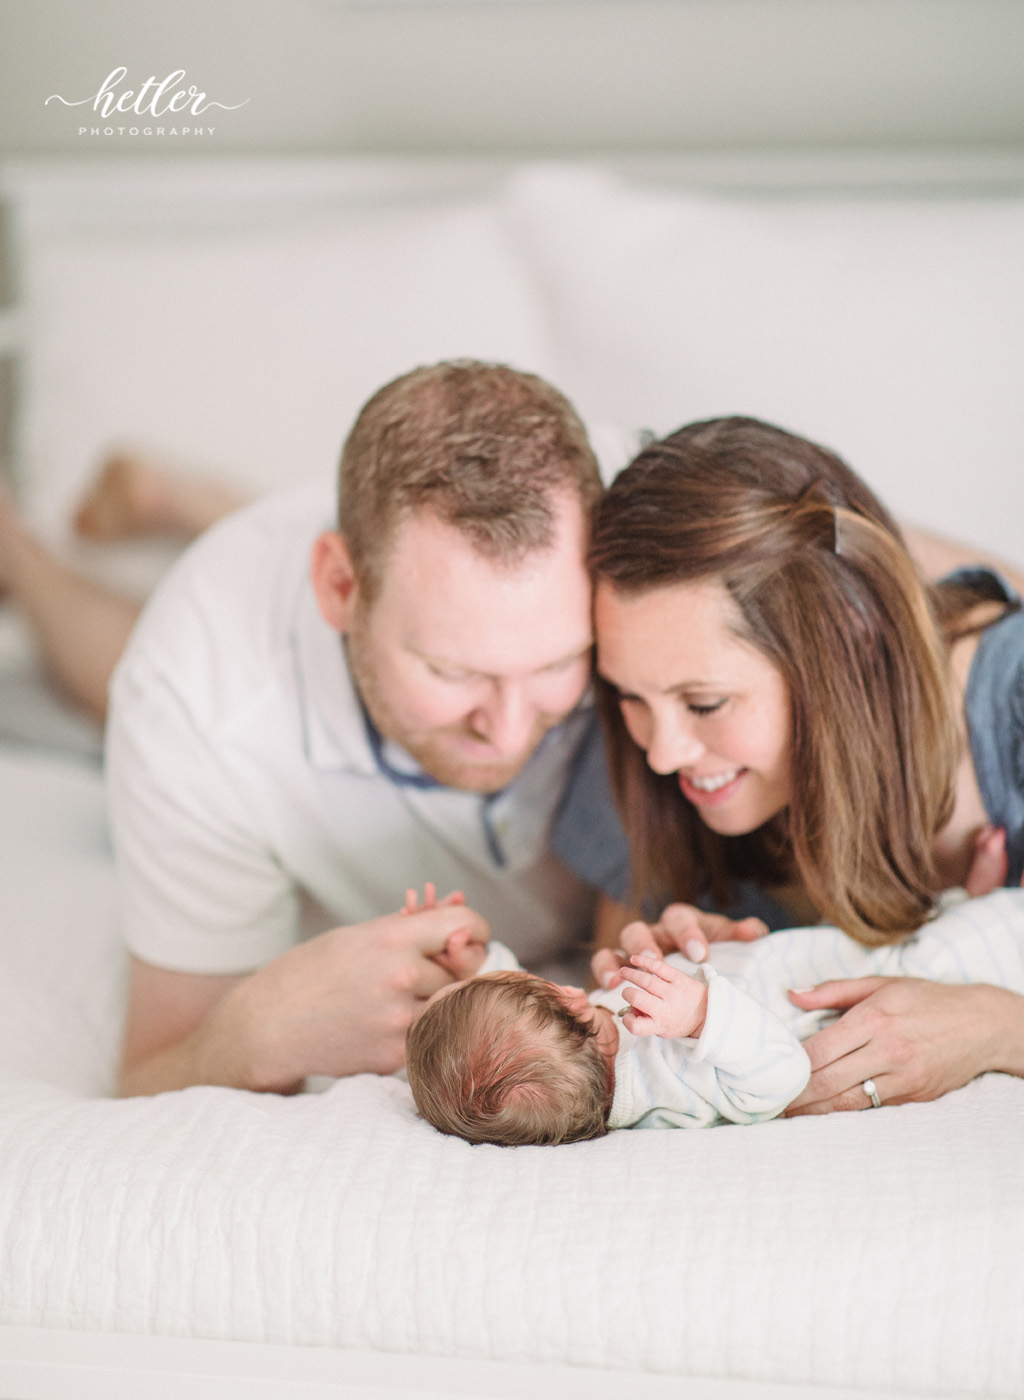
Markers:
point(291, 733)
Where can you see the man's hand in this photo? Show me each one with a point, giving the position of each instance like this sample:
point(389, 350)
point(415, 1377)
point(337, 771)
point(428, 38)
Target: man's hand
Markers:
point(461, 956)
point(917, 1040)
point(682, 928)
point(665, 1000)
point(338, 1004)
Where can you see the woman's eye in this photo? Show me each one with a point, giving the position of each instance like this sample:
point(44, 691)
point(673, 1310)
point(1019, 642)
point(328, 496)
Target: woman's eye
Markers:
point(707, 709)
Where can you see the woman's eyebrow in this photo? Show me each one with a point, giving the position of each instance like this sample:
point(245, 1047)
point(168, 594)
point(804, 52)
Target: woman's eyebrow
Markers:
point(676, 688)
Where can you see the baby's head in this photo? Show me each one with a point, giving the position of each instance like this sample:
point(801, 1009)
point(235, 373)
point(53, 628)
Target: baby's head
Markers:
point(510, 1059)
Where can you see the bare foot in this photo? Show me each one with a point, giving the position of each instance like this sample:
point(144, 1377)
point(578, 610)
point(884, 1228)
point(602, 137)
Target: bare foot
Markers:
point(136, 495)
point(129, 497)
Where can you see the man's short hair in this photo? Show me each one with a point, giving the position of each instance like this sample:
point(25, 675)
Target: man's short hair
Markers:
point(501, 1059)
point(483, 446)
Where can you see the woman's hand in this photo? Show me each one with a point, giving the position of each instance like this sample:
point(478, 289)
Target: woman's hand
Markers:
point(682, 928)
point(664, 1000)
point(989, 863)
point(917, 1040)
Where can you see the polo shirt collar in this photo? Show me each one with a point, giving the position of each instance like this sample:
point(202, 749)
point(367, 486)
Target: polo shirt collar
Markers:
point(334, 730)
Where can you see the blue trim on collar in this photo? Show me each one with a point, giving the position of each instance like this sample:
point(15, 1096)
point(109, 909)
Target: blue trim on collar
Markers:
point(424, 781)
point(393, 774)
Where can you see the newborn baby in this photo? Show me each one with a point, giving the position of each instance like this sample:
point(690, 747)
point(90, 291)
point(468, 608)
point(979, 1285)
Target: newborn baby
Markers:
point(508, 1058)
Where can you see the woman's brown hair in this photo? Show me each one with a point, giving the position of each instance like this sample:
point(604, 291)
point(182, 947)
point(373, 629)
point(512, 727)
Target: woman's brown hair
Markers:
point(826, 590)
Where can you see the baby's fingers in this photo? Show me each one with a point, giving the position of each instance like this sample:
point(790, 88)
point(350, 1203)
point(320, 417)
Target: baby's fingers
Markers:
point(647, 1003)
point(651, 970)
point(638, 1024)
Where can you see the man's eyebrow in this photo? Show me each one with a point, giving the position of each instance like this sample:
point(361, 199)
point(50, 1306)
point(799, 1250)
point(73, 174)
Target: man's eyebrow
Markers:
point(448, 665)
point(464, 670)
point(569, 656)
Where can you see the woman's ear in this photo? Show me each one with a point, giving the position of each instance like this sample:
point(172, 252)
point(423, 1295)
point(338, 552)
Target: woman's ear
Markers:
point(334, 580)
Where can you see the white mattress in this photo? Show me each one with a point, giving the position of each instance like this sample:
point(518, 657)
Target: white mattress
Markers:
point(878, 1250)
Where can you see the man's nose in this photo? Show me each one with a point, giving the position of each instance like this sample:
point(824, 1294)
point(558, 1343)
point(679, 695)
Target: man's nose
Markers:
point(507, 717)
point(673, 745)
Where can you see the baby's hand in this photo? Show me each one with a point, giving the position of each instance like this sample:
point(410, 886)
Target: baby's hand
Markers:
point(462, 956)
point(663, 1000)
point(606, 964)
point(412, 903)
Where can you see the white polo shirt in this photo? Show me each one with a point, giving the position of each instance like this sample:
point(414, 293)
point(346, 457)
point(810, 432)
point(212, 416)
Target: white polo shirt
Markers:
point(245, 792)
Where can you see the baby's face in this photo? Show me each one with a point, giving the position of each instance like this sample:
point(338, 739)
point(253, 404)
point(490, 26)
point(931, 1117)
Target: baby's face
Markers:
point(574, 999)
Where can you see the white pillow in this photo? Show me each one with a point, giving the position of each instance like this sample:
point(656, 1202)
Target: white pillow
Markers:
point(183, 326)
point(891, 329)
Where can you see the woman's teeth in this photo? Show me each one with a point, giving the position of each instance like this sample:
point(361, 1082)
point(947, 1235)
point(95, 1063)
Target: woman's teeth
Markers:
point(712, 784)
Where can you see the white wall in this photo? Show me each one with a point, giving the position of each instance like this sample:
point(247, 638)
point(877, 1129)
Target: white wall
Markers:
point(731, 93)
point(562, 76)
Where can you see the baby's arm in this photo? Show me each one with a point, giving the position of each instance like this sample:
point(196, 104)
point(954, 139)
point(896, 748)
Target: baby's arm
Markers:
point(742, 1066)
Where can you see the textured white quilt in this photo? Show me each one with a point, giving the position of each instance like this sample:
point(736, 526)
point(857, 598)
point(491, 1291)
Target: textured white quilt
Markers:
point(882, 1249)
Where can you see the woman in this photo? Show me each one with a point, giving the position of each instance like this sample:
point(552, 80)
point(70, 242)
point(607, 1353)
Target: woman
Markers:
point(784, 708)
point(79, 625)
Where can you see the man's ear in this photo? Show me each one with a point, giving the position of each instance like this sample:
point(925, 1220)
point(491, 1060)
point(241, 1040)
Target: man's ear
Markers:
point(334, 580)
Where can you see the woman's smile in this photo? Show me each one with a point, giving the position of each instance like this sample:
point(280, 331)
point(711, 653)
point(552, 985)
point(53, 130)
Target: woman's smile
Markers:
point(712, 790)
point(701, 701)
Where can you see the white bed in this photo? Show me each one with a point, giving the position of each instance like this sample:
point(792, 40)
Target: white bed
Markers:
point(218, 1243)
point(878, 1251)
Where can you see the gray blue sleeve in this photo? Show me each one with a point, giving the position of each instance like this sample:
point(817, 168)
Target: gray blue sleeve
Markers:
point(994, 704)
point(587, 833)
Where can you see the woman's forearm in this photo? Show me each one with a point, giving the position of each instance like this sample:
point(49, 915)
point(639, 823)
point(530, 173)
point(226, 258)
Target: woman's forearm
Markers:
point(1005, 1031)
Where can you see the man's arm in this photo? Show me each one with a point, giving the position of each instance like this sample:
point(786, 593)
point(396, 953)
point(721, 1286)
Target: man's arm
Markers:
point(164, 1031)
point(338, 1004)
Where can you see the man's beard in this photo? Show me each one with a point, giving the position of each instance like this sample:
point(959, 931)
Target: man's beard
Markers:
point(433, 749)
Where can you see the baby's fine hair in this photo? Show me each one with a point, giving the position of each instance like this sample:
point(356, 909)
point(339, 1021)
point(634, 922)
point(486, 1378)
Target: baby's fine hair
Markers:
point(501, 1059)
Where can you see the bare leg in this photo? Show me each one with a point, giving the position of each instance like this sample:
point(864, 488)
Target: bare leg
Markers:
point(936, 556)
point(136, 495)
point(80, 626)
